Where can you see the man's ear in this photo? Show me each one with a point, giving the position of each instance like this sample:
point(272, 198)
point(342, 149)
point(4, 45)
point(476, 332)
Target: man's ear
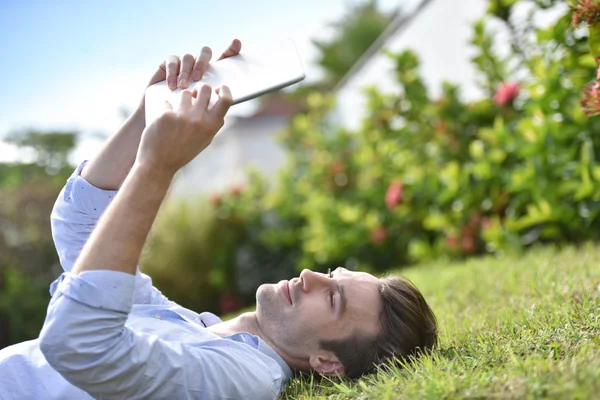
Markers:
point(326, 363)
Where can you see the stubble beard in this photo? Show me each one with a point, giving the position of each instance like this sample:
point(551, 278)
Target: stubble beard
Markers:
point(272, 318)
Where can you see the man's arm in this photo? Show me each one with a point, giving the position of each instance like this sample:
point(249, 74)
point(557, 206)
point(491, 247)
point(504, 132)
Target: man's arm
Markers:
point(110, 167)
point(169, 143)
point(84, 336)
point(93, 186)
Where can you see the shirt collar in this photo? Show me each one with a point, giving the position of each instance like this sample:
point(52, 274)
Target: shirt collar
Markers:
point(209, 319)
point(264, 348)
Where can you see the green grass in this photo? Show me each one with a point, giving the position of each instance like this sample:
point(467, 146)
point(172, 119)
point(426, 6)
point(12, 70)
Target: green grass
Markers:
point(521, 327)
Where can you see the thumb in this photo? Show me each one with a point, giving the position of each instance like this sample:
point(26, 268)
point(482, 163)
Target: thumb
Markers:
point(159, 75)
point(168, 106)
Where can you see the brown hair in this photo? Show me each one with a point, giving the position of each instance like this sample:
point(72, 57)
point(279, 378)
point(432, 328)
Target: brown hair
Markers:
point(408, 328)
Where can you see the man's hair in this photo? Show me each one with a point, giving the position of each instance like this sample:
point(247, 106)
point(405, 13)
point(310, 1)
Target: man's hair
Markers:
point(408, 328)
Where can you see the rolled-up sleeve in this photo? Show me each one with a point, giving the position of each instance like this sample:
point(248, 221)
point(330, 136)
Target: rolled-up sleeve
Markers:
point(86, 340)
point(76, 212)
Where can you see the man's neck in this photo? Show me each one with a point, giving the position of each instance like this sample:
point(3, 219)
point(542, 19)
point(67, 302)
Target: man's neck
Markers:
point(248, 322)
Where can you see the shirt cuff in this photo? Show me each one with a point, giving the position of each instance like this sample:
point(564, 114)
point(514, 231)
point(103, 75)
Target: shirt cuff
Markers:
point(111, 290)
point(84, 195)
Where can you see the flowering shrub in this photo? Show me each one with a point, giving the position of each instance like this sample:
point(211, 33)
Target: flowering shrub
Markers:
point(588, 11)
point(427, 177)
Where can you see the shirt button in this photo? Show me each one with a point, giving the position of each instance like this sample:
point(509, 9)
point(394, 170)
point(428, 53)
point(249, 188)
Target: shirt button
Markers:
point(157, 316)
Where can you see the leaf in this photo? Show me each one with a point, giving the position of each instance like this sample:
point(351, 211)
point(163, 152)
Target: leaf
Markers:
point(594, 40)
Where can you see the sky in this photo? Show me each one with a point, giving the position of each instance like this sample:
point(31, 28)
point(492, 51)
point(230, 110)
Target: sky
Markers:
point(73, 65)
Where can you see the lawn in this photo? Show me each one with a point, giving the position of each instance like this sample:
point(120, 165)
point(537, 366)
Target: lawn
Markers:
point(516, 327)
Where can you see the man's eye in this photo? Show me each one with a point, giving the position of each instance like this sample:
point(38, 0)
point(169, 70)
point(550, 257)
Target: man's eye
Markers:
point(331, 294)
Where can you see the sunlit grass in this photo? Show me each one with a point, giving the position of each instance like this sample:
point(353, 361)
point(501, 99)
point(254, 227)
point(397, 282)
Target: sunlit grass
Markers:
point(519, 327)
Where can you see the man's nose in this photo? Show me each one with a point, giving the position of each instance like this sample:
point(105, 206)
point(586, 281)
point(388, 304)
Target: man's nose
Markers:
point(311, 279)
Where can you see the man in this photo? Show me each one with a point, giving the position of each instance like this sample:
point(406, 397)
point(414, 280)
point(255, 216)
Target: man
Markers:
point(109, 334)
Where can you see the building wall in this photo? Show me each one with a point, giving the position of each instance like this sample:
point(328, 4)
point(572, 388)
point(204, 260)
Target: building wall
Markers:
point(243, 144)
point(439, 36)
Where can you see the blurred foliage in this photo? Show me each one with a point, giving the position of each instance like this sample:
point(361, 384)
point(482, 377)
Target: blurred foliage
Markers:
point(426, 177)
point(28, 259)
point(50, 149)
point(421, 178)
point(353, 34)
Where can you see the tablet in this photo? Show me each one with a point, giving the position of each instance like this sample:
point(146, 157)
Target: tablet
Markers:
point(248, 75)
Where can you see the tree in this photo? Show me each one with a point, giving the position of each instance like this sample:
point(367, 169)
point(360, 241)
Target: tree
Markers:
point(353, 34)
point(51, 149)
point(28, 259)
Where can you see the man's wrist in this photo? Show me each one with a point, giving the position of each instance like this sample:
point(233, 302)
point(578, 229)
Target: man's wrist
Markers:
point(153, 172)
point(142, 106)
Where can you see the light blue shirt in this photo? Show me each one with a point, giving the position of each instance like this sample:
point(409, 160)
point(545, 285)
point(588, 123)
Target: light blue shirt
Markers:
point(112, 335)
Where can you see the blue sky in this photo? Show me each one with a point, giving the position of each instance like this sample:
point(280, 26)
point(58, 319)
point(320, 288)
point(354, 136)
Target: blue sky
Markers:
point(74, 64)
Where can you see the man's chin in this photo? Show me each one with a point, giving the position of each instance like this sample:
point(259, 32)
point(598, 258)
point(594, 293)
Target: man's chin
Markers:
point(267, 298)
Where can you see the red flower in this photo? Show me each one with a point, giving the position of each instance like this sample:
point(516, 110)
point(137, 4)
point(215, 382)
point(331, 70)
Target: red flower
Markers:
point(393, 196)
point(451, 241)
point(235, 190)
point(336, 168)
point(590, 101)
point(440, 127)
point(506, 93)
point(467, 240)
point(486, 224)
point(379, 235)
point(215, 199)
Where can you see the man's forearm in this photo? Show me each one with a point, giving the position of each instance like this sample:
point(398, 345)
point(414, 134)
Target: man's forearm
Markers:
point(117, 241)
point(110, 167)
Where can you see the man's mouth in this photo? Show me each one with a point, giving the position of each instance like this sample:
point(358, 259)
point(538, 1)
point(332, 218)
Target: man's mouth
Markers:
point(284, 286)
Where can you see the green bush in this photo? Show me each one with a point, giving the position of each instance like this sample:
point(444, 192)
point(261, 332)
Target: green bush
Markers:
point(423, 178)
point(28, 259)
point(427, 177)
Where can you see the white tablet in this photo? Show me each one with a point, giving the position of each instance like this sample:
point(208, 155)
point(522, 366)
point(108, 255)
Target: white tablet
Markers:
point(248, 75)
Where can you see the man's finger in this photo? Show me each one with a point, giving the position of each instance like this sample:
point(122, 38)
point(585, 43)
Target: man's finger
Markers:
point(201, 63)
point(185, 100)
point(202, 97)
point(172, 66)
point(234, 49)
point(187, 63)
point(222, 105)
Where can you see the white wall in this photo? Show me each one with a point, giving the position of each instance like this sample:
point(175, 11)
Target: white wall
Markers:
point(225, 162)
point(440, 36)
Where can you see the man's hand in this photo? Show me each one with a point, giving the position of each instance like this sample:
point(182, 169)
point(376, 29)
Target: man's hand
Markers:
point(178, 72)
point(175, 138)
point(114, 161)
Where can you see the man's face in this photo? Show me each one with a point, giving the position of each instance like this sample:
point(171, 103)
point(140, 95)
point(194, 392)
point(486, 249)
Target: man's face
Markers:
point(297, 314)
